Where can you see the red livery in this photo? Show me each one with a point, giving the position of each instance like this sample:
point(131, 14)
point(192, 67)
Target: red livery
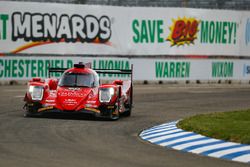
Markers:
point(79, 91)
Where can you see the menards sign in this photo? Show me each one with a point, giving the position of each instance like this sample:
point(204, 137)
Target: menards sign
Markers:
point(3, 23)
point(41, 29)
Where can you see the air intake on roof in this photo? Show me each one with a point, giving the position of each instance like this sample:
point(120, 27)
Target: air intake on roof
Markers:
point(79, 65)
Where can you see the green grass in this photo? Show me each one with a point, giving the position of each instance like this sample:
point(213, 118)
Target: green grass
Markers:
point(231, 126)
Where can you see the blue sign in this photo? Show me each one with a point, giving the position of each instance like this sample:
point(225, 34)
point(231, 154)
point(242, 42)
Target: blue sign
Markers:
point(246, 70)
point(247, 33)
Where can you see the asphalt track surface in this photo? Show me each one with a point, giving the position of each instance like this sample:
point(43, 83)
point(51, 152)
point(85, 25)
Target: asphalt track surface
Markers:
point(62, 141)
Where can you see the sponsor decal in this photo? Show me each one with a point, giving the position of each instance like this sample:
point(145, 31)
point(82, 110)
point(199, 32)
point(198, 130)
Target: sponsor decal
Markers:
point(91, 105)
point(46, 28)
point(45, 108)
point(222, 69)
point(90, 101)
point(247, 32)
point(70, 88)
point(110, 107)
point(183, 31)
point(172, 69)
point(50, 101)
point(70, 101)
point(52, 93)
point(71, 94)
point(92, 109)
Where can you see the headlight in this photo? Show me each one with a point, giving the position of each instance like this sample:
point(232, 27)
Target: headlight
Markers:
point(106, 94)
point(36, 92)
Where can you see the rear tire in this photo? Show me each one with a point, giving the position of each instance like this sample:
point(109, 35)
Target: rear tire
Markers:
point(130, 105)
point(115, 115)
point(129, 108)
point(128, 112)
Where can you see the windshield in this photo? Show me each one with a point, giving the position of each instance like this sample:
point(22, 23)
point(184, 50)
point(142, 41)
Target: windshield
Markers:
point(77, 80)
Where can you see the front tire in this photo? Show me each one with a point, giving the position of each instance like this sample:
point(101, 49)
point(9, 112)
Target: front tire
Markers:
point(30, 111)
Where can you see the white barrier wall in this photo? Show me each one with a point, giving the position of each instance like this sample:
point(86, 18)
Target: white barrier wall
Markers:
point(52, 28)
point(59, 30)
point(23, 68)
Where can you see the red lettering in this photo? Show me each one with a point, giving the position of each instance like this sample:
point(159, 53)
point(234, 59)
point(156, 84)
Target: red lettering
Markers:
point(193, 28)
point(178, 29)
point(183, 31)
point(186, 29)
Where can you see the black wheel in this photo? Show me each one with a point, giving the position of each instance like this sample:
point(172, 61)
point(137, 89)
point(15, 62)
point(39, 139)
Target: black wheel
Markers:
point(128, 112)
point(115, 115)
point(128, 109)
point(26, 111)
point(129, 106)
point(27, 114)
point(30, 111)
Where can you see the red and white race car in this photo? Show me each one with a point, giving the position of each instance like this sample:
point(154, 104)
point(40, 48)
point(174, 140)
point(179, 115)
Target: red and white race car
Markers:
point(79, 91)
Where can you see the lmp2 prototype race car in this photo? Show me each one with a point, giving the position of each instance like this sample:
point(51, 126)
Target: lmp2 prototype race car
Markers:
point(79, 91)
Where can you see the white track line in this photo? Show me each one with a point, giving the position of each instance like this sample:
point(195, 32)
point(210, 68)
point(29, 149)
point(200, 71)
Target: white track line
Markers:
point(182, 139)
point(162, 133)
point(183, 146)
point(159, 130)
point(207, 148)
point(169, 136)
point(174, 136)
point(243, 158)
point(19, 96)
point(14, 90)
point(229, 151)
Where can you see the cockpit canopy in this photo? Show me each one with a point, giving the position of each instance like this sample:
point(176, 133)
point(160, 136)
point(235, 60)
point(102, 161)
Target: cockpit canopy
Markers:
point(76, 79)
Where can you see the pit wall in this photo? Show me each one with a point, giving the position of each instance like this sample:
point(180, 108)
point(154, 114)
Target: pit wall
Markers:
point(25, 68)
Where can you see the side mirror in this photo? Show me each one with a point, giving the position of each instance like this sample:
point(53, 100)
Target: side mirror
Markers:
point(53, 84)
point(118, 82)
point(37, 79)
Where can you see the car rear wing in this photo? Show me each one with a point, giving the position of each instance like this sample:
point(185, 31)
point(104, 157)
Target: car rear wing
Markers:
point(99, 71)
point(116, 71)
point(56, 70)
point(120, 71)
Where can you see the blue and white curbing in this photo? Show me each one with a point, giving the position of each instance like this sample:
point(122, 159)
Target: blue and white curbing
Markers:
point(168, 135)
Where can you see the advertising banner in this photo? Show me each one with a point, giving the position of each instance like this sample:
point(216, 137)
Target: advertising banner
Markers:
point(65, 29)
point(25, 68)
point(245, 30)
